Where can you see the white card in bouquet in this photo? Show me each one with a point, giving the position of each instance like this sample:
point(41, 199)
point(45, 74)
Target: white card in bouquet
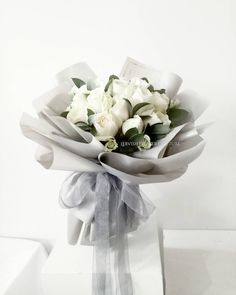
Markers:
point(69, 268)
point(133, 68)
point(167, 80)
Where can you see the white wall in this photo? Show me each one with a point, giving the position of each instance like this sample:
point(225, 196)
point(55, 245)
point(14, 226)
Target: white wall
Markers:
point(193, 38)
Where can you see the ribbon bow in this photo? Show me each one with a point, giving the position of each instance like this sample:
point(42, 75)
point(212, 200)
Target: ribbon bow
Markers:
point(110, 208)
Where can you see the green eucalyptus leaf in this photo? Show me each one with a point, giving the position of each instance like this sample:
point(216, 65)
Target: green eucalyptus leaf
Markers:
point(131, 132)
point(147, 129)
point(145, 79)
point(159, 128)
point(64, 114)
point(90, 112)
point(128, 150)
point(86, 127)
point(145, 110)
point(83, 125)
point(178, 116)
point(139, 106)
point(146, 117)
point(161, 91)
point(137, 138)
point(78, 82)
point(151, 88)
point(93, 130)
point(156, 137)
point(111, 78)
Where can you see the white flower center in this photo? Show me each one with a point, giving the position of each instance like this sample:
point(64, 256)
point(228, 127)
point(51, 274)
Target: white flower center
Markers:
point(102, 121)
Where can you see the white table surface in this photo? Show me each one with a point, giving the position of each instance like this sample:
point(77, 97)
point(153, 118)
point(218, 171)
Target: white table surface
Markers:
point(20, 264)
point(200, 262)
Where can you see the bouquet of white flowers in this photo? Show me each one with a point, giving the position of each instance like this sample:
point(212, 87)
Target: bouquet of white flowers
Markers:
point(125, 115)
point(131, 130)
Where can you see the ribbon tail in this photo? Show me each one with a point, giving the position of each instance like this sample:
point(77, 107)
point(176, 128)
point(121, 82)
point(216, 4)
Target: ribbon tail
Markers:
point(124, 275)
point(122, 266)
point(102, 281)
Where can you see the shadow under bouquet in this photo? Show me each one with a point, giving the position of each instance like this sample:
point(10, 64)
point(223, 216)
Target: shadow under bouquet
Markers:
point(131, 129)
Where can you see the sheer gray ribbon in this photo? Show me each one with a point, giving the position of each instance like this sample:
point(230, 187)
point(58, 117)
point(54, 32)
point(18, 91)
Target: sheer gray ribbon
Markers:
point(114, 208)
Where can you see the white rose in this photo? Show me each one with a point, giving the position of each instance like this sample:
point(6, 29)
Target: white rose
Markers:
point(160, 101)
point(153, 119)
point(164, 118)
point(99, 101)
point(106, 125)
point(120, 109)
point(119, 87)
point(157, 118)
point(135, 122)
point(138, 82)
point(95, 99)
point(111, 145)
point(145, 144)
point(82, 90)
point(137, 91)
point(146, 110)
point(77, 115)
point(107, 103)
point(136, 97)
point(78, 108)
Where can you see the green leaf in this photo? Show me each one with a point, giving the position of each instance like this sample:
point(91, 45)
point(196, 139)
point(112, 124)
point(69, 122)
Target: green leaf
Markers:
point(64, 114)
point(137, 138)
point(145, 79)
point(110, 80)
point(178, 116)
point(127, 150)
point(78, 82)
point(145, 110)
point(113, 77)
point(93, 130)
point(159, 128)
point(156, 137)
point(157, 131)
point(139, 106)
point(161, 91)
point(131, 132)
point(146, 117)
point(151, 88)
point(84, 126)
point(129, 107)
point(90, 112)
